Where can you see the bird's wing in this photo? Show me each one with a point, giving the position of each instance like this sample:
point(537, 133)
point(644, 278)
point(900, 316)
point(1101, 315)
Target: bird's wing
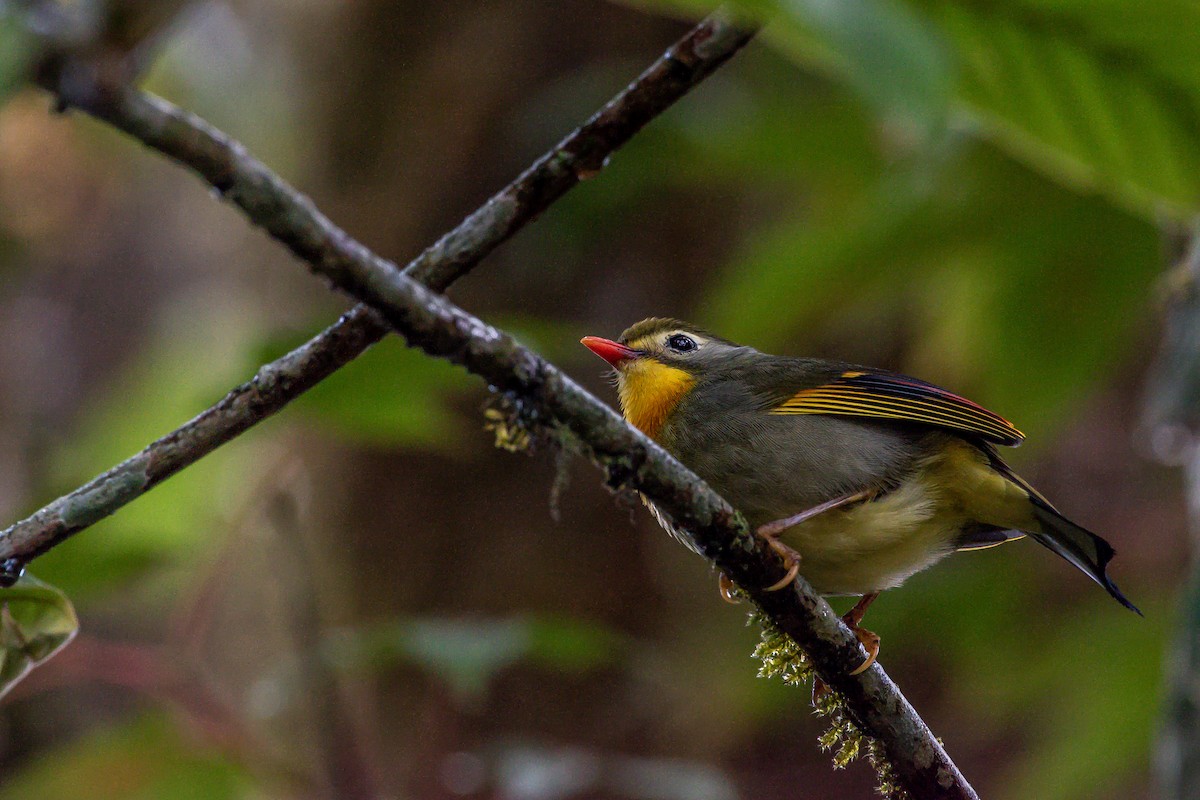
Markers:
point(861, 392)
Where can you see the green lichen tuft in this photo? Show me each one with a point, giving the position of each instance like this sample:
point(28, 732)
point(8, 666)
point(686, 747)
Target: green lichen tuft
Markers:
point(510, 435)
point(518, 424)
point(888, 785)
point(780, 657)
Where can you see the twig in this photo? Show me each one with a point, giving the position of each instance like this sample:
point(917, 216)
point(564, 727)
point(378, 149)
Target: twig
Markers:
point(290, 217)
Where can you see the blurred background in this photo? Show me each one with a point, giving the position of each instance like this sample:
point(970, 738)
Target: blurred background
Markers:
point(363, 598)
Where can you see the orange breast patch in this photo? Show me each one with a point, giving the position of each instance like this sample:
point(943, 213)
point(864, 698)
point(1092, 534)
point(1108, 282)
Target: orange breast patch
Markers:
point(650, 391)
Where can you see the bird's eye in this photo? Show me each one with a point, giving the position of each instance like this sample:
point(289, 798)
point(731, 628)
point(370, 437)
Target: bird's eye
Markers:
point(680, 343)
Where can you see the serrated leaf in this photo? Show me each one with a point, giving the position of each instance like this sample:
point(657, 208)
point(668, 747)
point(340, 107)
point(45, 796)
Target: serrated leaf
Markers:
point(36, 621)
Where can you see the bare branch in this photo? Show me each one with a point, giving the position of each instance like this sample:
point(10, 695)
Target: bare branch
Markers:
point(290, 217)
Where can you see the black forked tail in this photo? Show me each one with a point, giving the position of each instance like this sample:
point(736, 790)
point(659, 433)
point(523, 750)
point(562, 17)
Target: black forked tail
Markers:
point(1081, 547)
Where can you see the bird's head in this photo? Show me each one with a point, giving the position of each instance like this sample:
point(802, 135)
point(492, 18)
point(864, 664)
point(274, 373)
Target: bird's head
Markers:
point(657, 362)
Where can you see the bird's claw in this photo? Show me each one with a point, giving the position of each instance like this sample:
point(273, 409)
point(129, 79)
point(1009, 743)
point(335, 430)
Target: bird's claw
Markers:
point(791, 560)
point(727, 588)
point(819, 690)
point(786, 580)
point(870, 641)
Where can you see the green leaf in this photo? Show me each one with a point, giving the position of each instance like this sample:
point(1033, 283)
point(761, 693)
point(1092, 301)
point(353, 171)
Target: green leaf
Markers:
point(888, 54)
point(1102, 94)
point(17, 48)
point(892, 57)
point(36, 621)
point(147, 758)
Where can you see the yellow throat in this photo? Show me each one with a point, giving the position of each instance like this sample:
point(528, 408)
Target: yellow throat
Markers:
point(649, 391)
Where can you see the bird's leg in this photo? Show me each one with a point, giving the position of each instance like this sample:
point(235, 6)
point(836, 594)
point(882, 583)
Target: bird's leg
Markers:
point(771, 532)
point(868, 639)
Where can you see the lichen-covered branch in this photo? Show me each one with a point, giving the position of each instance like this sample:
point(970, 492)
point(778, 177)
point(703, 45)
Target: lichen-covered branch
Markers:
point(271, 203)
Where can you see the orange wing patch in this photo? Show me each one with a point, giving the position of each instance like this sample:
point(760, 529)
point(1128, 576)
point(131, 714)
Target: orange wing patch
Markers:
point(883, 395)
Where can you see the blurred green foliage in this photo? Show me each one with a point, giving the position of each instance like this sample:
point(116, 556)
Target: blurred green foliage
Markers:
point(1094, 673)
point(467, 655)
point(394, 396)
point(1101, 94)
point(17, 47)
point(995, 273)
point(890, 55)
point(160, 389)
point(145, 758)
point(390, 396)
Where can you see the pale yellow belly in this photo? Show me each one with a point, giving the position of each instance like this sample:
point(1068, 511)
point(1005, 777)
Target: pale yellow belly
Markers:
point(877, 545)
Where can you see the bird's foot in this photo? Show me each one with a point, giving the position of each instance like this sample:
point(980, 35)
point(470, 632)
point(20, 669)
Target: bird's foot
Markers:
point(868, 639)
point(791, 560)
point(771, 532)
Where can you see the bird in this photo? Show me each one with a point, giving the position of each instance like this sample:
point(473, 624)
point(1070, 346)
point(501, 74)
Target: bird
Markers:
point(857, 477)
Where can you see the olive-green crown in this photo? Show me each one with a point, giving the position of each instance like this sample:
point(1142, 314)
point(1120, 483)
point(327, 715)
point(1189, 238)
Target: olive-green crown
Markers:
point(654, 325)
